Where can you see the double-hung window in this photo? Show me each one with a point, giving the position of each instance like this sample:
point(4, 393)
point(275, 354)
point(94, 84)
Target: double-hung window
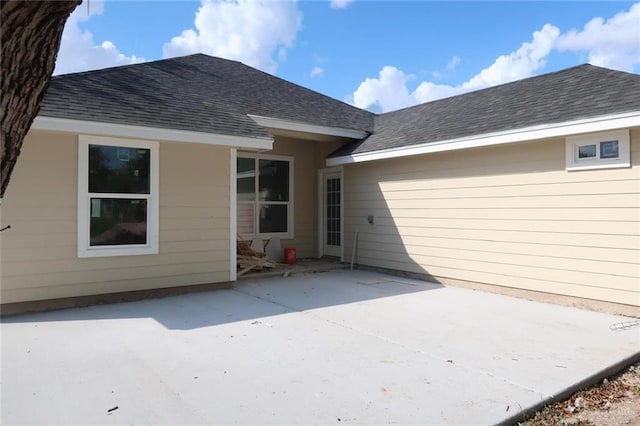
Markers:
point(264, 195)
point(117, 197)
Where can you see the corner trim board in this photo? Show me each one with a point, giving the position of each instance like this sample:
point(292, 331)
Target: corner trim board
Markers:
point(233, 217)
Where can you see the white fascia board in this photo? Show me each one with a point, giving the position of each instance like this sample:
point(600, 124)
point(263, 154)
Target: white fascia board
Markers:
point(278, 123)
point(598, 124)
point(152, 133)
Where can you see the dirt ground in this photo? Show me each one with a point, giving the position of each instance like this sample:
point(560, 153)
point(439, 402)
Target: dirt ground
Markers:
point(615, 401)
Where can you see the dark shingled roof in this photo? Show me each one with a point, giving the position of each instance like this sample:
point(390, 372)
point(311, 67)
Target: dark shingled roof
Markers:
point(213, 95)
point(575, 93)
point(197, 93)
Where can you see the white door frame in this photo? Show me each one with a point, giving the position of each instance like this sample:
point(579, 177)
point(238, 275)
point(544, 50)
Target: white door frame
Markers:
point(321, 203)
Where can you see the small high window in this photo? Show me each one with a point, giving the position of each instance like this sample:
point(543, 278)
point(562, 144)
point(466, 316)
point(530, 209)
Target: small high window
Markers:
point(117, 197)
point(610, 149)
point(598, 151)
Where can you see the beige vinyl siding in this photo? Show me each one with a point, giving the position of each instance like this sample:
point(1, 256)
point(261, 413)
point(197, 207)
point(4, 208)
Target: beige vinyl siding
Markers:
point(39, 253)
point(509, 216)
point(309, 157)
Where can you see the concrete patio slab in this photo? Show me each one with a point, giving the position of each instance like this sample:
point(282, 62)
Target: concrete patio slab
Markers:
point(334, 347)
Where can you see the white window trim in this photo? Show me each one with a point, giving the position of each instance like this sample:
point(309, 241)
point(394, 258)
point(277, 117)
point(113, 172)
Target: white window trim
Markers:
point(290, 211)
point(84, 199)
point(573, 143)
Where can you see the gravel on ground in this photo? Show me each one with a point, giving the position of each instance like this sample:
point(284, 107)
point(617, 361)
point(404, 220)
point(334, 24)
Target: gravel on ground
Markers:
point(615, 401)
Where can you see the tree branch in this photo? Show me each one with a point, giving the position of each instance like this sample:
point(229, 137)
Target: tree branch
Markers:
point(30, 39)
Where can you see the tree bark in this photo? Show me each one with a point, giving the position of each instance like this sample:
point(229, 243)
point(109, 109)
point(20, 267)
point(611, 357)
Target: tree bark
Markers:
point(30, 35)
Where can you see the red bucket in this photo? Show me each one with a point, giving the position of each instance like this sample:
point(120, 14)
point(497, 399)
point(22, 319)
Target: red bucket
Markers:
point(290, 256)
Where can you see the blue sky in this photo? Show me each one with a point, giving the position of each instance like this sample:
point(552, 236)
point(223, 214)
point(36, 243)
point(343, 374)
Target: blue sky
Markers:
point(380, 55)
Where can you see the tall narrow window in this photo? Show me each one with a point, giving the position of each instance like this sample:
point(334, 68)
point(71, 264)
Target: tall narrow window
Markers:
point(264, 194)
point(117, 197)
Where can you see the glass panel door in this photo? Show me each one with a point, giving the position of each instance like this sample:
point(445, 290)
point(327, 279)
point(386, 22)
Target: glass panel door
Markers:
point(332, 214)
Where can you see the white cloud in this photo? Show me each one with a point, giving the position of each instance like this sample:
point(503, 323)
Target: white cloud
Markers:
point(428, 91)
point(317, 72)
point(522, 63)
point(451, 66)
point(248, 31)
point(390, 90)
point(340, 4)
point(453, 63)
point(80, 52)
point(614, 43)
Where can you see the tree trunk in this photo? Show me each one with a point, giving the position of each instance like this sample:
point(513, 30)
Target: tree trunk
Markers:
point(31, 33)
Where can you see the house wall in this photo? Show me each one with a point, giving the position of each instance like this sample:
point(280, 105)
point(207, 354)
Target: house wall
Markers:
point(507, 216)
point(39, 252)
point(309, 157)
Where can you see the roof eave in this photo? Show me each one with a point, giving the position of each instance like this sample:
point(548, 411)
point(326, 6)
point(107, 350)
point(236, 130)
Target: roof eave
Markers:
point(150, 133)
point(282, 124)
point(588, 125)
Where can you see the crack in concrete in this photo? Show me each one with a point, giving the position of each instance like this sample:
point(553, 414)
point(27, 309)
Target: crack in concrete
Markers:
point(294, 309)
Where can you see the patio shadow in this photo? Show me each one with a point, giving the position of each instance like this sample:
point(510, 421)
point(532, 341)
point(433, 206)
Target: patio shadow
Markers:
point(249, 300)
